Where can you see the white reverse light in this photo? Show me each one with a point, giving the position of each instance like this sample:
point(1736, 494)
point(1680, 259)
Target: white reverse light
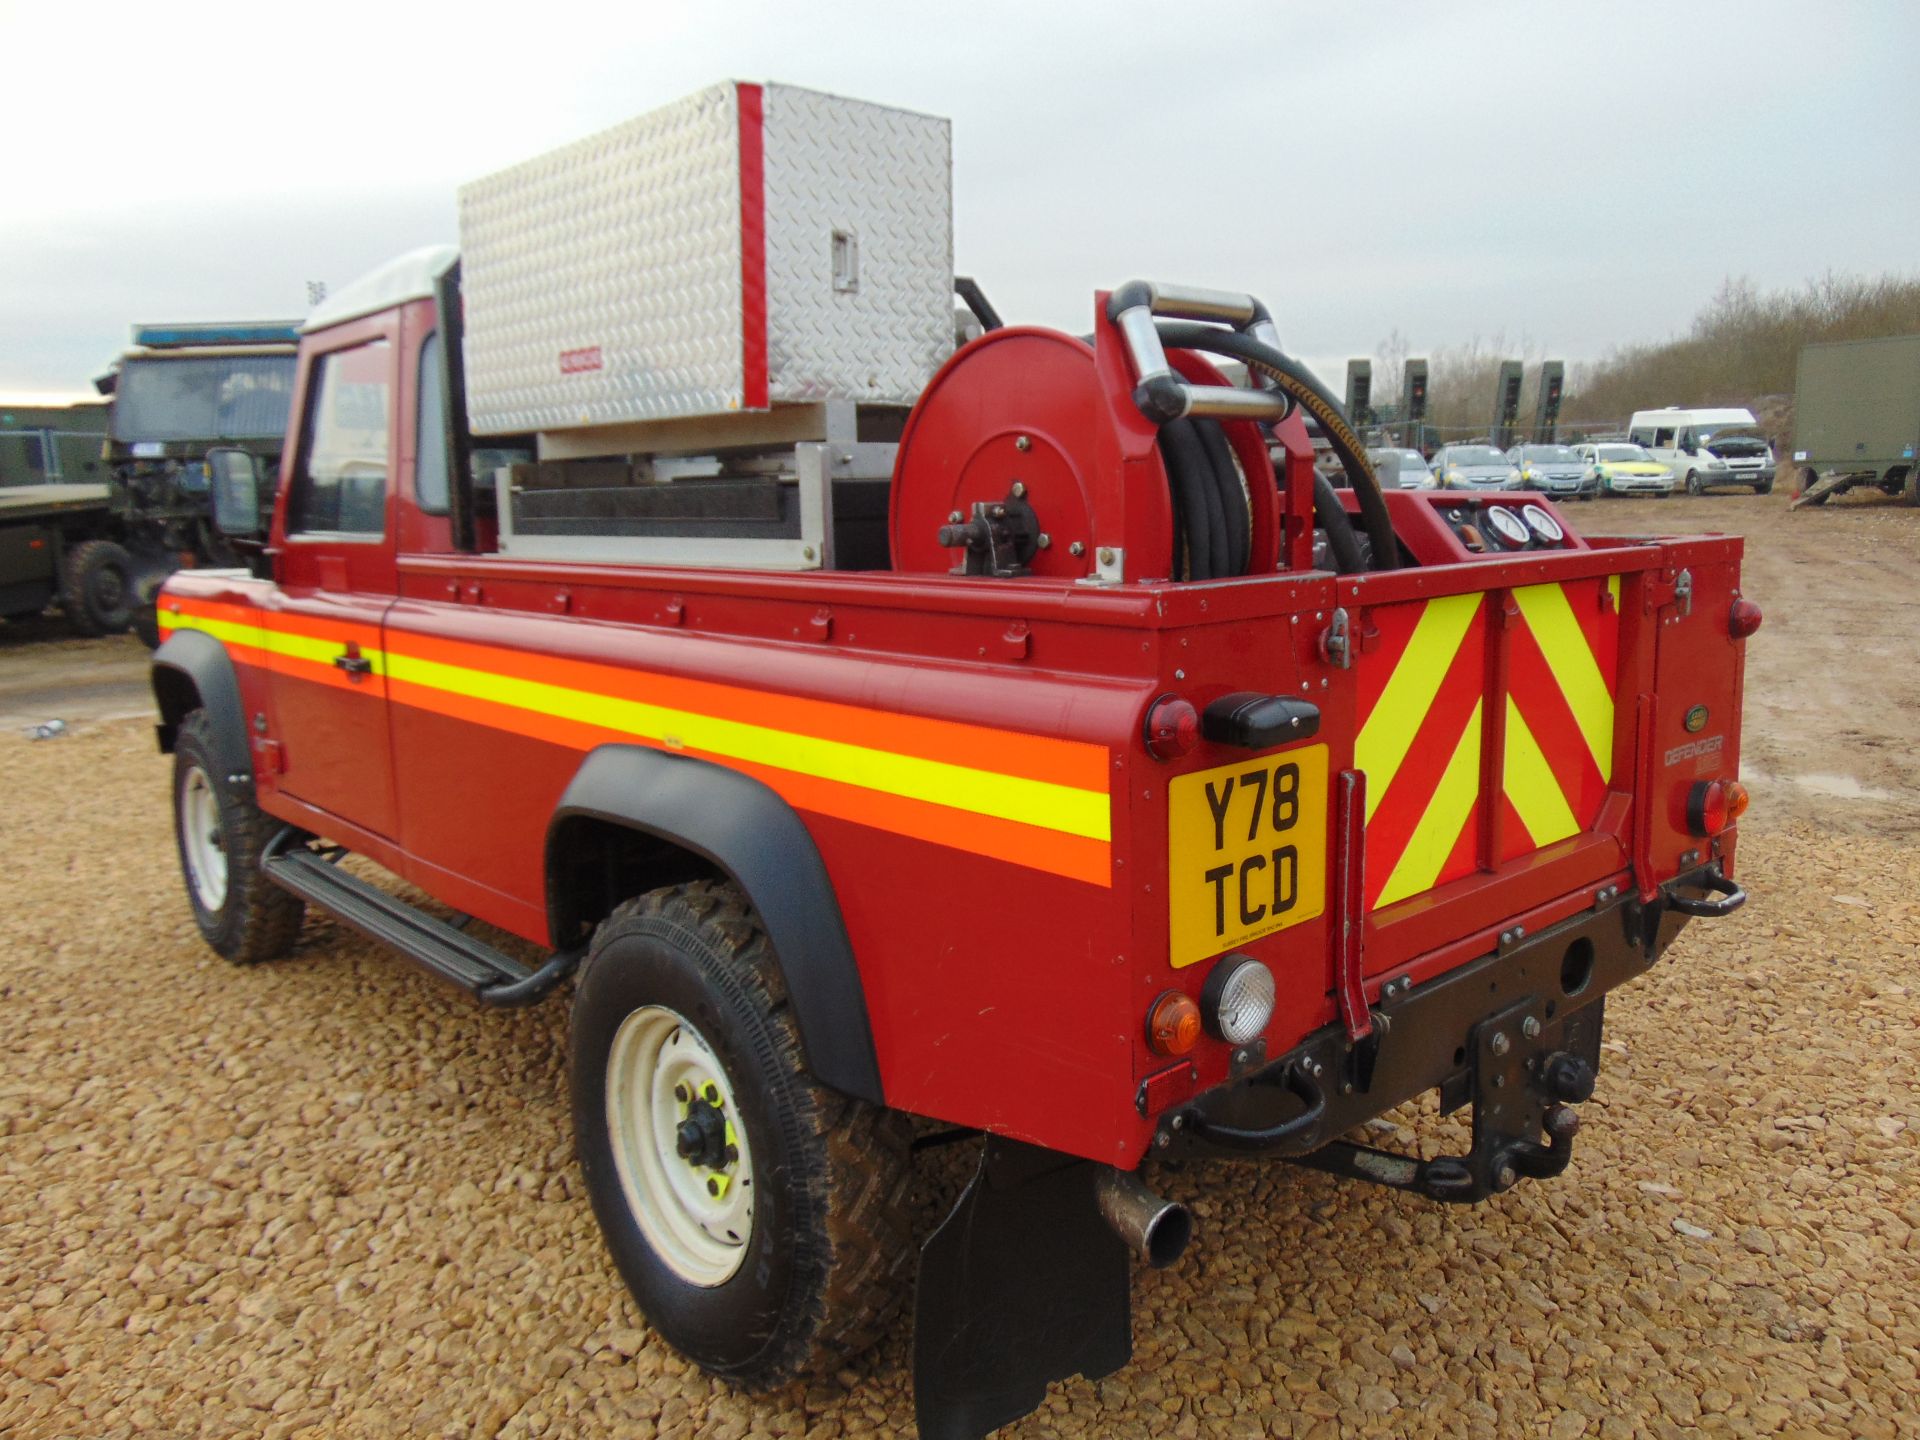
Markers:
point(1237, 1002)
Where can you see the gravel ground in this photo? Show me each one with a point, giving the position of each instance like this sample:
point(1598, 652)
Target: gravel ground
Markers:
point(329, 1197)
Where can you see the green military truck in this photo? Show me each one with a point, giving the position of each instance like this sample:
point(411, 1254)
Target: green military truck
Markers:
point(56, 543)
point(1856, 418)
point(182, 390)
point(43, 441)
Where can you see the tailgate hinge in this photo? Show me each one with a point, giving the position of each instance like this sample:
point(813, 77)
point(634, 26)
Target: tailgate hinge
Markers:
point(1666, 589)
point(1336, 641)
point(1349, 943)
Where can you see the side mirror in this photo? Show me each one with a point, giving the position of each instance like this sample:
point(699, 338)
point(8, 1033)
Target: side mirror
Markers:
point(236, 492)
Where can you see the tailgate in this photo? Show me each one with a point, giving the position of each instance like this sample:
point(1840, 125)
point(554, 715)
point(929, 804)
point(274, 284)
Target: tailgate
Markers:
point(1491, 734)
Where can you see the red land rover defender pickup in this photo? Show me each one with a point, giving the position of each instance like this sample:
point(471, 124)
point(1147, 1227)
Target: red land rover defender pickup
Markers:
point(1045, 753)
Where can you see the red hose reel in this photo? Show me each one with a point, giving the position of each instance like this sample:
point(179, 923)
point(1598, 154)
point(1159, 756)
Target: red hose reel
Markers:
point(1027, 454)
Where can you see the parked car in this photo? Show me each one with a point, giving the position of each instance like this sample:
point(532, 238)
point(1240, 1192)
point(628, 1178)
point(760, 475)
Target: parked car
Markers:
point(1624, 469)
point(1553, 470)
point(1407, 469)
point(1707, 447)
point(1473, 467)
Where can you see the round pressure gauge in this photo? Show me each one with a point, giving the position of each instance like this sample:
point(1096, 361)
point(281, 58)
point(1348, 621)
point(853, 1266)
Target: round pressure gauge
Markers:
point(1543, 524)
point(1510, 529)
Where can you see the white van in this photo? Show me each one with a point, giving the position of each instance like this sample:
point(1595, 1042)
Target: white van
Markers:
point(1707, 447)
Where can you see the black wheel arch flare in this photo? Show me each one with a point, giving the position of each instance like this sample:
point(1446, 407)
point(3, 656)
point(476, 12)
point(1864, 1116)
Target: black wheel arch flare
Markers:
point(192, 671)
point(748, 833)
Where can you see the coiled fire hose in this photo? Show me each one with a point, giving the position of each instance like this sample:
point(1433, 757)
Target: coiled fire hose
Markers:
point(1298, 384)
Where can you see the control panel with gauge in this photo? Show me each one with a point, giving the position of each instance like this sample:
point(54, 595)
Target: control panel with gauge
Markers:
point(1444, 527)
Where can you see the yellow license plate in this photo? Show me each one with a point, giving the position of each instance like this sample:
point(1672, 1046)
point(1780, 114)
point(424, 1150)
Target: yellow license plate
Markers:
point(1246, 852)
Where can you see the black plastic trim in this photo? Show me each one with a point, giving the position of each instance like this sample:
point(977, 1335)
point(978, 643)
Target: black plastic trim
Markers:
point(203, 664)
point(757, 839)
point(975, 299)
point(1126, 297)
point(1161, 398)
point(1254, 721)
point(453, 394)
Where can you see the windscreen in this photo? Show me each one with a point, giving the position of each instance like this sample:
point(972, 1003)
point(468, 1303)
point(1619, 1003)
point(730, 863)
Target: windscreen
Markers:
point(1475, 455)
point(233, 397)
point(1620, 452)
point(1551, 454)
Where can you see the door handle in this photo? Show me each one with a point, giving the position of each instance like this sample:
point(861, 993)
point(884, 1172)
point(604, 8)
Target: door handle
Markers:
point(354, 663)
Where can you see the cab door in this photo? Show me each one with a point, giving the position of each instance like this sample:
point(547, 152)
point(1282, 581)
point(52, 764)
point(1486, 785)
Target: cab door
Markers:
point(334, 537)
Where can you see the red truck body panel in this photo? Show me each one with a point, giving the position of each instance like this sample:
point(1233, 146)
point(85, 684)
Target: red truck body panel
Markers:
point(1012, 865)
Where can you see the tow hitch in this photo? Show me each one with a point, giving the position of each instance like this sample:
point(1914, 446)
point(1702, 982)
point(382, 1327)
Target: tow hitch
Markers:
point(1523, 1120)
point(1515, 1034)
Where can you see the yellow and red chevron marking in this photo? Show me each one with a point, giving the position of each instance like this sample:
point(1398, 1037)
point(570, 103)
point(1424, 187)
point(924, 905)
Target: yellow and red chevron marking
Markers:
point(1562, 662)
point(1030, 800)
point(1422, 698)
point(1421, 694)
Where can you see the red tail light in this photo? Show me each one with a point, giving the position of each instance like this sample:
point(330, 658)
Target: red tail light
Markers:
point(1713, 805)
point(1743, 619)
point(1172, 728)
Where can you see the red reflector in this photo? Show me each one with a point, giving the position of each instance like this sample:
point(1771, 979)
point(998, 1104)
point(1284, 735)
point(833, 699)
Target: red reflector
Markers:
point(1172, 728)
point(1166, 1089)
point(1743, 619)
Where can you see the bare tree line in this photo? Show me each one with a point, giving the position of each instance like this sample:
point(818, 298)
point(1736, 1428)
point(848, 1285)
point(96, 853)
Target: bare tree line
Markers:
point(1744, 343)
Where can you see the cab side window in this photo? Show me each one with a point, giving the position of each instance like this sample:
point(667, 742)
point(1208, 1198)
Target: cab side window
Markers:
point(340, 485)
point(1662, 439)
point(430, 475)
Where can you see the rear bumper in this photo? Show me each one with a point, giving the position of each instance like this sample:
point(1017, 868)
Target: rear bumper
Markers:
point(1492, 1032)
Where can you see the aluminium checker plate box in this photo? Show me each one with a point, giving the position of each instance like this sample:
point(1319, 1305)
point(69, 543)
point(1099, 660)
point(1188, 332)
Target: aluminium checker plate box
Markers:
point(623, 278)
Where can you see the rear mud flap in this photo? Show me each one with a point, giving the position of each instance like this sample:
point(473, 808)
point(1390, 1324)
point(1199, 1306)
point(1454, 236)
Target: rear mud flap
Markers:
point(1023, 1284)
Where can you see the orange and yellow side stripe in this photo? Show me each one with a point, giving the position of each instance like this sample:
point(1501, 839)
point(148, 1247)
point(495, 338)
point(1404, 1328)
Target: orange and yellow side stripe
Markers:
point(1031, 800)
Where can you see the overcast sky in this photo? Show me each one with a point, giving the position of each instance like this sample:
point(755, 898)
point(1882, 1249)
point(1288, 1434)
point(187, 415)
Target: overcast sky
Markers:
point(1575, 176)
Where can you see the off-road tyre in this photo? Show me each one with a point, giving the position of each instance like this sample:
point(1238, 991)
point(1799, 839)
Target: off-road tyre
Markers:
point(829, 1254)
point(96, 588)
point(146, 605)
point(146, 624)
point(255, 919)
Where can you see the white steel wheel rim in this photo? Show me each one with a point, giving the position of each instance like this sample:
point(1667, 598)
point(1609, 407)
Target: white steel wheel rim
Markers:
point(697, 1217)
point(201, 838)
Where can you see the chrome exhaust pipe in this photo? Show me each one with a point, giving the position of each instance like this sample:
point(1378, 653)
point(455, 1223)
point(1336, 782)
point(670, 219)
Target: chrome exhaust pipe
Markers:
point(1153, 1228)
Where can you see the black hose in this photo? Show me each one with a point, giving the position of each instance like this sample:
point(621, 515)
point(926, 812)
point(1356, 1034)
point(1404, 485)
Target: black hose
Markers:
point(1297, 381)
point(1333, 518)
point(1233, 496)
point(1187, 472)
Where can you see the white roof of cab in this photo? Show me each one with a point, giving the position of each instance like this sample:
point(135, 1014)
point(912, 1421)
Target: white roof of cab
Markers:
point(411, 277)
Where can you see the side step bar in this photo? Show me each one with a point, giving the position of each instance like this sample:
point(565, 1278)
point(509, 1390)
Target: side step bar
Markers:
point(489, 975)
